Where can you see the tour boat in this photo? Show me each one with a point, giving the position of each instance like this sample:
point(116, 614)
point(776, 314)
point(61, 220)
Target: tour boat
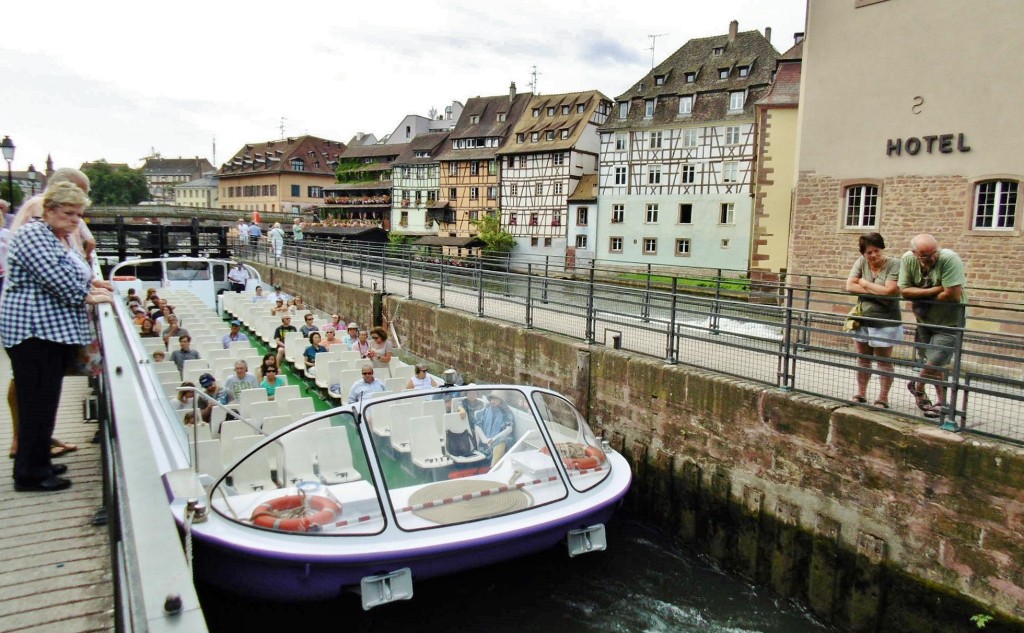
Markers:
point(275, 500)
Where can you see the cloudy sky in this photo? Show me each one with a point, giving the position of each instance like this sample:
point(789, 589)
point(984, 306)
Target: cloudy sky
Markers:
point(119, 79)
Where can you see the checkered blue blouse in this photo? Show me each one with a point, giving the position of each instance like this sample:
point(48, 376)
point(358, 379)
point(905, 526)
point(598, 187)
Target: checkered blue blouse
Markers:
point(44, 294)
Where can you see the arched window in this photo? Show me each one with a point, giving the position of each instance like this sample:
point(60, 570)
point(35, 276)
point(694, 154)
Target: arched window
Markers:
point(861, 207)
point(995, 204)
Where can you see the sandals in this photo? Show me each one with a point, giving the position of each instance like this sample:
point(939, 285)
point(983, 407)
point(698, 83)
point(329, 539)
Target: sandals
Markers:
point(935, 411)
point(923, 403)
point(859, 400)
point(882, 403)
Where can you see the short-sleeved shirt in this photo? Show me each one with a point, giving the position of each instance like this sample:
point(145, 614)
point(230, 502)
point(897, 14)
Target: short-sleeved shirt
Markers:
point(229, 339)
point(312, 351)
point(948, 272)
point(280, 331)
point(236, 385)
point(875, 305)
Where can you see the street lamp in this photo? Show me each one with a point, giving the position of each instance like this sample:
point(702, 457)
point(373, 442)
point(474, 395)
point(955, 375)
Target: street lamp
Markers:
point(32, 177)
point(7, 145)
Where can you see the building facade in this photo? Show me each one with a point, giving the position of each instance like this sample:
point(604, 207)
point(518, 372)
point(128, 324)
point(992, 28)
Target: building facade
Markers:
point(928, 144)
point(286, 175)
point(581, 228)
point(164, 174)
point(553, 145)
point(416, 181)
point(201, 193)
point(677, 154)
point(363, 194)
point(469, 163)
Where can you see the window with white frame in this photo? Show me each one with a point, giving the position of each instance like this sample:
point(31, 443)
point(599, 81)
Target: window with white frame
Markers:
point(453, 169)
point(649, 108)
point(623, 109)
point(723, 73)
point(730, 171)
point(558, 188)
point(620, 140)
point(690, 77)
point(474, 193)
point(732, 135)
point(615, 244)
point(686, 104)
point(534, 137)
point(582, 215)
point(618, 213)
point(474, 168)
point(736, 100)
point(492, 193)
point(688, 174)
point(564, 134)
point(492, 167)
point(650, 246)
point(995, 204)
point(690, 137)
point(654, 174)
point(513, 189)
point(683, 247)
point(727, 213)
point(538, 189)
point(620, 175)
point(453, 193)
point(535, 112)
point(474, 216)
point(580, 107)
point(551, 110)
point(656, 140)
point(861, 207)
point(659, 80)
point(744, 71)
point(581, 241)
point(558, 158)
point(520, 137)
point(652, 213)
point(565, 109)
point(550, 135)
point(511, 161)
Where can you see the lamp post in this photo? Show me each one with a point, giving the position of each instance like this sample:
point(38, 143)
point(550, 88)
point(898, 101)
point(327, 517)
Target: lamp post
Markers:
point(32, 177)
point(7, 145)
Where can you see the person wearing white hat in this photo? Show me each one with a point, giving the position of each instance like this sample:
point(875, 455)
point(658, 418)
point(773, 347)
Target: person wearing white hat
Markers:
point(351, 335)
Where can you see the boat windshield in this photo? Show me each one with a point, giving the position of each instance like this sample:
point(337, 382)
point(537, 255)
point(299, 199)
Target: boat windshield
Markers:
point(313, 479)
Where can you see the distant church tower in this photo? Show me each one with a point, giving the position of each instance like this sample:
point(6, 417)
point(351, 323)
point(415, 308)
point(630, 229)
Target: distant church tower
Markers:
point(49, 166)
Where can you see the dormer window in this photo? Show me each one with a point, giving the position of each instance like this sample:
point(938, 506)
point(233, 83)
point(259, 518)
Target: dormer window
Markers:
point(686, 104)
point(502, 116)
point(580, 108)
point(520, 137)
point(565, 109)
point(565, 134)
point(297, 165)
point(736, 100)
point(623, 109)
point(534, 137)
point(723, 73)
point(649, 108)
point(474, 119)
point(690, 77)
point(536, 112)
point(744, 71)
point(717, 51)
point(659, 80)
point(550, 135)
point(551, 110)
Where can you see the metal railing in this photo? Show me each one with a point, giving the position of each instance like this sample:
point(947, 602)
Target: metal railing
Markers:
point(785, 333)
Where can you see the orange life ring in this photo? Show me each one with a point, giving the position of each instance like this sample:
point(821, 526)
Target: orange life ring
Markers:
point(296, 513)
point(125, 278)
point(578, 456)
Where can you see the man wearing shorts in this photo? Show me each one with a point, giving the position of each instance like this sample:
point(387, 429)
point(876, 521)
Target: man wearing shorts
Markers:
point(932, 278)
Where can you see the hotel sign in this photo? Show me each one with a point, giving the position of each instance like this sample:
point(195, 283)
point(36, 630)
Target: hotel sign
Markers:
point(932, 143)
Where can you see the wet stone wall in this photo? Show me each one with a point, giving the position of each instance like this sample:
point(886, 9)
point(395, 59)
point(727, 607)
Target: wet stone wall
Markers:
point(875, 522)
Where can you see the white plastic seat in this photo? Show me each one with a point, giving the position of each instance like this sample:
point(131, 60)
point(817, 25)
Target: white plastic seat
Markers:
point(425, 449)
point(287, 392)
point(333, 374)
point(275, 423)
point(257, 412)
point(455, 423)
point(402, 371)
point(208, 458)
point(249, 397)
point(401, 415)
point(334, 456)
point(252, 473)
point(218, 354)
point(395, 384)
point(297, 463)
point(229, 430)
point(299, 408)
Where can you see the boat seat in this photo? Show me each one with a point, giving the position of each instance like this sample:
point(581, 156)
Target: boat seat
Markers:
point(426, 448)
point(249, 397)
point(287, 392)
point(395, 384)
point(401, 415)
point(334, 456)
point(297, 462)
point(455, 423)
point(208, 459)
point(253, 472)
point(402, 371)
point(298, 408)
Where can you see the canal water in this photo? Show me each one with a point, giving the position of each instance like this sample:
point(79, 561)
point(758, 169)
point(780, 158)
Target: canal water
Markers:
point(642, 584)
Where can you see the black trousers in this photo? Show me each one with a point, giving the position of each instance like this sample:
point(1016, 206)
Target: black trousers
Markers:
point(39, 367)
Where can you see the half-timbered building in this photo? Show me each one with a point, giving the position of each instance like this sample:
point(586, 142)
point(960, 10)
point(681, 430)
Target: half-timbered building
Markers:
point(469, 168)
point(552, 146)
point(677, 155)
point(417, 185)
point(362, 195)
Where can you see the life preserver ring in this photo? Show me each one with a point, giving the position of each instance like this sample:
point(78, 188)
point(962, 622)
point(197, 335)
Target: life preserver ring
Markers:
point(296, 513)
point(125, 278)
point(577, 456)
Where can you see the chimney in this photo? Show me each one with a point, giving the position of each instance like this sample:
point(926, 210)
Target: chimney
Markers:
point(768, 34)
point(798, 37)
point(734, 26)
point(512, 92)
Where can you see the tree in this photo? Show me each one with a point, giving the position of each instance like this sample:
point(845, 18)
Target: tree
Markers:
point(19, 195)
point(116, 186)
point(497, 241)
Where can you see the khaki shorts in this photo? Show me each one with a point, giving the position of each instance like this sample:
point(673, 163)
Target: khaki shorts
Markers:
point(940, 344)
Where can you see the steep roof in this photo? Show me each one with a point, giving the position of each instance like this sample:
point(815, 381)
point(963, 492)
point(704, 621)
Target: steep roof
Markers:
point(482, 118)
point(704, 58)
point(429, 144)
point(380, 150)
point(785, 90)
point(319, 157)
point(175, 166)
point(586, 189)
point(568, 113)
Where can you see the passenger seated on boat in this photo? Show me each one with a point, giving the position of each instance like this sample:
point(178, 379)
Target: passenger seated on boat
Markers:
point(241, 380)
point(173, 329)
point(269, 360)
point(256, 298)
point(494, 427)
point(362, 344)
point(331, 338)
point(309, 356)
point(147, 329)
point(184, 398)
point(271, 381)
point(234, 335)
point(308, 327)
point(279, 308)
point(470, 406)
point(131, 297)
point(421, 380)
point(381, 349)
point(212, 390)
point(297, 305)
point(286, 326)
point(140, 314)
point(277, 294)
point(351, 335)
point(158, 356)
point(184, 352)
point(368, 384)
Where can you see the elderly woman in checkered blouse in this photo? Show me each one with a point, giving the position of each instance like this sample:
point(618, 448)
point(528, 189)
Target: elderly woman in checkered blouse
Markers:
point(42, 324)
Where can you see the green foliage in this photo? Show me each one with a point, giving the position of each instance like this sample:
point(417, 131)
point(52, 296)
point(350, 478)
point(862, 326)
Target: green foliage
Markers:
point(120, 186)
point(496, 240)
point(399, 239)
point(981, 619)
point(349, 170)
point(19, 195)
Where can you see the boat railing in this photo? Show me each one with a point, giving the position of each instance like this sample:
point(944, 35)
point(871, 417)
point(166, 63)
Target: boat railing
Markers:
point(153, 583)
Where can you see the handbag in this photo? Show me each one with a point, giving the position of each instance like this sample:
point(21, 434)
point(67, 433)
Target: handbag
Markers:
point(852, 321)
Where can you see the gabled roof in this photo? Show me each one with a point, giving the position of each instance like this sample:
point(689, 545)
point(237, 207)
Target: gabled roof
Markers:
point(424, 143)
point(586, 189)
point(319, 157)
point(379, 150)
point(572, 123)
point(175, 166)
point(785, 91)
point(206, 182)
point(480, 119)
point(749, 50)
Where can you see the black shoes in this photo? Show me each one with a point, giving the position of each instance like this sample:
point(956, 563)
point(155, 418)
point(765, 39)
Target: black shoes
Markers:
point(59, 469)
point(47, 485)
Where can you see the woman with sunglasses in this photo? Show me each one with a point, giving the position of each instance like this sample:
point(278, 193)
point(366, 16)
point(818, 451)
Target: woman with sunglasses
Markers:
point(421, 380)
point(381, 350)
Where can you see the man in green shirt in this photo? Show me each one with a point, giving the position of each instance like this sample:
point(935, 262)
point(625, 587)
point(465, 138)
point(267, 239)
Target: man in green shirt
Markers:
point(932, 278)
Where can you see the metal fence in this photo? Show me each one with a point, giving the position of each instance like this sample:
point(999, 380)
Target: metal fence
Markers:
point(782, 332)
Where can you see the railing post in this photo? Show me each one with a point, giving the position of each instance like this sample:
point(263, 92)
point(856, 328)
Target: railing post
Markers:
point(480, 289)
point(949, 424)
point(805, 336)
point(785, 378)
point(408, 259)
point(122, 242)
point(383, 270)
point(361, 261)
point(671, 351)
point(194, 235)
point(529, 296)
point(591, 317)
point(544, 292)
point(716, 308)
point(645, 309)
point(440, 273)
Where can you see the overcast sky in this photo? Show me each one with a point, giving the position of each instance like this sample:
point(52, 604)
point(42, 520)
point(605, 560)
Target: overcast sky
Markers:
point(118, 79)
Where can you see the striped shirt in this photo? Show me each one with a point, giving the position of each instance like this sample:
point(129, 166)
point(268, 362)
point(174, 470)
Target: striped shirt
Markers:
point(44, 295)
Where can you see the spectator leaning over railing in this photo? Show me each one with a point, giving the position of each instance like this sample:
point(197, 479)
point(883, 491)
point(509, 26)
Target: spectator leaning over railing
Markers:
point(933, 279)
point(43, 323)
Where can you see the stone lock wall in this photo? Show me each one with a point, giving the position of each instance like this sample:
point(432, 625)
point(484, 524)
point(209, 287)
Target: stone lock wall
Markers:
point(874, 522)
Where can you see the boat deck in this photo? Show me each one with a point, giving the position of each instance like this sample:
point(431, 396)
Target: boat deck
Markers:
point(55, 570)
